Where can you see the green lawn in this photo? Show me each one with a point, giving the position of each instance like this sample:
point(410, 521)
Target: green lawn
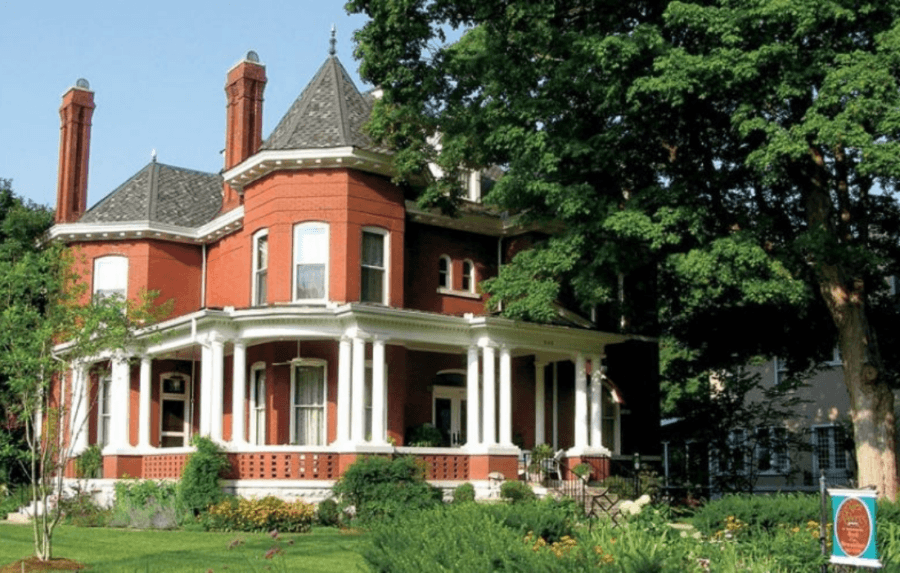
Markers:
point(325, 549)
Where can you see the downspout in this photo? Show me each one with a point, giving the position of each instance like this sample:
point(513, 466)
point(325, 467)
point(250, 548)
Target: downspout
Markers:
point(202, 286)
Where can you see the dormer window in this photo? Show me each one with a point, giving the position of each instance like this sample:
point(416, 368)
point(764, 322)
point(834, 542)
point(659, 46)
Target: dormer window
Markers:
point(468, 276)
point(260, 267)
point(444, 275)
point(111, 277)
point(374, 266)
point(311, 262)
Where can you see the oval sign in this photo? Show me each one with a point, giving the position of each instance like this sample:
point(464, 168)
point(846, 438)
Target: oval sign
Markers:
point(853, 527)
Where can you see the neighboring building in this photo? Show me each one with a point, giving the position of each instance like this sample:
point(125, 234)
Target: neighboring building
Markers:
point(320, 314)
point(775, 453)
point(816, 437)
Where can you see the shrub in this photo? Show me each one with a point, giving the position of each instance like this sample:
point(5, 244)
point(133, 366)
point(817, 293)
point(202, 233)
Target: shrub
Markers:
point(145, 504)
point(516, 491)
point(548, 518)
point(82, 511)
point(424, 436)
point(378, 486)
point(266, 514)
point(464, 493)
point(199, 486)
point(90, 463)
point(329, 513)
point(758, 512)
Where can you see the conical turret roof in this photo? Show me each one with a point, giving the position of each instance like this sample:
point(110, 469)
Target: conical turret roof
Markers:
point(329, 113)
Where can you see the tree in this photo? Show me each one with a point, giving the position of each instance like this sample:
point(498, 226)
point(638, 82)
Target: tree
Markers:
point(747, 150)
point(48, 324)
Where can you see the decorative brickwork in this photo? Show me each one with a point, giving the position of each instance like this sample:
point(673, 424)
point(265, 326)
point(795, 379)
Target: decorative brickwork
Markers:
point(448, 467)
point(164, 466)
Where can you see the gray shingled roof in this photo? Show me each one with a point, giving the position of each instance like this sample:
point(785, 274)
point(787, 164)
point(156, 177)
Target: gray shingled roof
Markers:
point(329, 113)
point(161, 194)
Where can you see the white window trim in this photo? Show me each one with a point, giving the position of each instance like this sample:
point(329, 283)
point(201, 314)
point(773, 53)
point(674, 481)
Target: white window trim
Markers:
point(117, 259)
point(103, 380)
point(254, 295)
point(449, 282)
point(386, 283)
point(309, 362)
point(473, 276)
point(294, 262)
point(781, 373)
point(186, 398)
point(774, 469)
point(835, 451)
point(257, 366)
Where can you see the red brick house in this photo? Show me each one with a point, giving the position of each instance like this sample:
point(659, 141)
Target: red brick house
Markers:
point(320, 314)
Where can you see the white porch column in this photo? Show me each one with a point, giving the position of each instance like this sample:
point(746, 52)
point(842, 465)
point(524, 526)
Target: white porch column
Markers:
point(540, 407)
point(379, 394)
point(473, 411)
point(581, 402)
point(238, 393)
point(596, 403)
point(343, 390)
point(358, 407)
point(490, 408)
point(218, 388)
point(555, 405)
point(120, 407)
point(144, 404)
point(505, 396)
point(80, 405)
point(206, 367)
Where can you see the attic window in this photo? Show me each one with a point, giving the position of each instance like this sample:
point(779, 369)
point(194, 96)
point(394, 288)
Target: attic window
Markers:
point(110, 277)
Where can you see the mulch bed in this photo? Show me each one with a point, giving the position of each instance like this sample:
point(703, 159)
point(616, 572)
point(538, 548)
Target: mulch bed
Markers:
point(35, 564)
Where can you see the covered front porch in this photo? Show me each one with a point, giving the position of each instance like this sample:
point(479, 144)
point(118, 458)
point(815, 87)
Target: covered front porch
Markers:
point(297, 393)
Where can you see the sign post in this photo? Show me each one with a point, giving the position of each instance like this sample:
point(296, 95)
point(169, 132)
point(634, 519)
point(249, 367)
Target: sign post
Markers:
point(853, 513)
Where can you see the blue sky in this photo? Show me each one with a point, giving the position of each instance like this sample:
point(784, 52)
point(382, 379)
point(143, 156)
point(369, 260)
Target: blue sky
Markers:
point(157, 69)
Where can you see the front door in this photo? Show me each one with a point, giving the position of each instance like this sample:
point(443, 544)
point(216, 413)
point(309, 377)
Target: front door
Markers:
point(174, 431)
point(449, 414)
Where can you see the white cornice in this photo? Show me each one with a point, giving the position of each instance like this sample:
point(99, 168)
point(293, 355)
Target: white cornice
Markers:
point(222, 225)
point(265, 162)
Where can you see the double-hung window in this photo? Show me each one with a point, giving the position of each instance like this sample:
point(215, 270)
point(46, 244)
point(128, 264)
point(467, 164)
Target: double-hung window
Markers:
point(260, 267)
point(258, 404)
point(468, 276)
point(308, 403)
point(104, 396)
point(111, 277)
point(311, 262)
point(444, 275)
point(374, 266)
point(771, 450)
point(829, 451)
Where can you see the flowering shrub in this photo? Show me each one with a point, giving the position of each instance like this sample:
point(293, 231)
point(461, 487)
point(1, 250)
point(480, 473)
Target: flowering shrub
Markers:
point(266, 514)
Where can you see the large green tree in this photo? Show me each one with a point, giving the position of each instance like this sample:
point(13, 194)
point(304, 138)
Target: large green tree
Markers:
point(747, 149)
point(48, 325)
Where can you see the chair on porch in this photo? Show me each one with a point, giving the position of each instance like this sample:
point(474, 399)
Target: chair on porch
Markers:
point(553, 466)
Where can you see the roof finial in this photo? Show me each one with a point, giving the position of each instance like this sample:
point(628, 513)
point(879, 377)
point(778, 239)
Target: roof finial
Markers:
point(332, 49)
point(153, 155)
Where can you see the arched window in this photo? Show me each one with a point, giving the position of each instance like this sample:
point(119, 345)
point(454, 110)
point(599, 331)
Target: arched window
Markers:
point(468, 276)
point(311, 255)
point(445, 276)
point(111, 276)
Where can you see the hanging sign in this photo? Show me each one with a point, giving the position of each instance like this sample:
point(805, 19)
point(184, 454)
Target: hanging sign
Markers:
point(853, 513)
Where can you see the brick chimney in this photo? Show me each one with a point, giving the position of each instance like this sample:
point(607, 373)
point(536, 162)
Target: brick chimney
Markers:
point(243, 132)
point(74, 150)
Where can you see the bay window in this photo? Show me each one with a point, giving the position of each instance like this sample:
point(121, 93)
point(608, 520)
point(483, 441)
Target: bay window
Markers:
point(374, 266)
